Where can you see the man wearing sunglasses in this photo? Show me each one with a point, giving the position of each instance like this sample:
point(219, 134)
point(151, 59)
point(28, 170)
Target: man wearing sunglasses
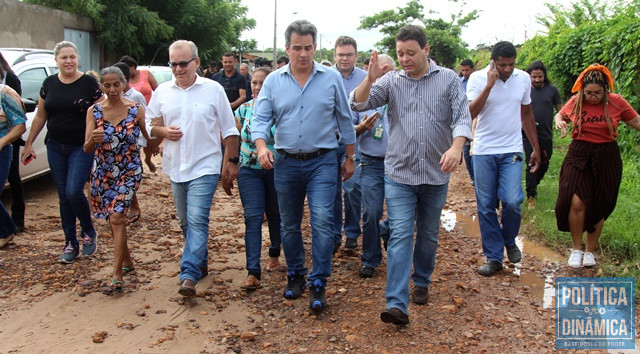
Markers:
point(234, 84)
point(194, 113)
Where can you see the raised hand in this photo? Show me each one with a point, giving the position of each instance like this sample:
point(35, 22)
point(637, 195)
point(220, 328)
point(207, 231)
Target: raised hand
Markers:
point(375, 70)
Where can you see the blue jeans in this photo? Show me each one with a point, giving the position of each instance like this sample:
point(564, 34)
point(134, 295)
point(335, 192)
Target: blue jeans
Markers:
point(372, 183)
point(7, 227)
point(193, 202)
point(468, 159)
point(258, 195)
point(407, 204)
point(352, 202)
point(337, 205)
point(70, 168)
point(498, 178)
point(315, 178)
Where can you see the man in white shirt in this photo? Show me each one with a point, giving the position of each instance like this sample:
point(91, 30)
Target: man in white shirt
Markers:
point(195, 112)
point(500, 100)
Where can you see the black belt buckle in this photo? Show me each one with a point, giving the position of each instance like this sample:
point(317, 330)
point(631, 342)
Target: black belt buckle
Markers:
point(301, 156)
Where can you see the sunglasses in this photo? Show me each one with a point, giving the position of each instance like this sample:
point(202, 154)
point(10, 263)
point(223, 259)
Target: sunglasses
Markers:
point(182, 64)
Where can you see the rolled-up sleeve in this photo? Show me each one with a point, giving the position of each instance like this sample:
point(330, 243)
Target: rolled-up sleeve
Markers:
point(153, 111)
point(461, 125)
point(378, 95)
point(343, 114)
point(226, 122)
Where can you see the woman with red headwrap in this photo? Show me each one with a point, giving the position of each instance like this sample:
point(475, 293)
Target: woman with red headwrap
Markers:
point(592, 169)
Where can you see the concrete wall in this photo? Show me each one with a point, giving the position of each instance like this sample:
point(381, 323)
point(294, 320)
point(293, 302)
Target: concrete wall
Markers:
point(34, 26)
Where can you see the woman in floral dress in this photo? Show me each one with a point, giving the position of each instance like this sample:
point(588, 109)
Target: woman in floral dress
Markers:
point(113, 127)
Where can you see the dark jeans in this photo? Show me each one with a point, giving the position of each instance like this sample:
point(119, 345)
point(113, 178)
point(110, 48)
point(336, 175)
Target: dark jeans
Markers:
point(17, 192)
point(468, 159)
point(258, 195)
point(70, 168)
point(533, 179)
point(7, 226)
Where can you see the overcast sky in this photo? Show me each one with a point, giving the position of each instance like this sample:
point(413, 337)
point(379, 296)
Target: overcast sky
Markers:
point(498, 19)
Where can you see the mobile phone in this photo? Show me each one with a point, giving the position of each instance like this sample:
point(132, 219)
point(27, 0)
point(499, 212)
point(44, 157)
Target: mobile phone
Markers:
point(28, 159)
point(375, 115)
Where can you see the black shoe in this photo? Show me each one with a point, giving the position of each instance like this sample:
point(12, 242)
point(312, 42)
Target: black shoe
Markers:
point(420, 295)
point(187, 288)
point(204, 270)
point(19, 229)
point(351, 243)
point(295, 285)
point(317, 298)
point(336, 246)
point(514, 254)
point(366, 272)
point(490, 268)
point(395, 316)
point(385, 239)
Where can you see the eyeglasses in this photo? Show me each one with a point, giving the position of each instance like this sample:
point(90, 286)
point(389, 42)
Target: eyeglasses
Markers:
point(594, 94)
point(182, 64)
point(346, 55)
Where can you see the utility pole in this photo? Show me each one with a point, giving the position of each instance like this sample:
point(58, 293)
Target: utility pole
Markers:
point(275, 27)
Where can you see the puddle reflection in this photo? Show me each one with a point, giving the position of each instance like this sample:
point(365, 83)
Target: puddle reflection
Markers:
point(542, 288)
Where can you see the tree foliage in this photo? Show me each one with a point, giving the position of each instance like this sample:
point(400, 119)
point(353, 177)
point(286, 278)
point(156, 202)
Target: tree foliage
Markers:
point(444, 36)
point(145, 28)
point(590, 32)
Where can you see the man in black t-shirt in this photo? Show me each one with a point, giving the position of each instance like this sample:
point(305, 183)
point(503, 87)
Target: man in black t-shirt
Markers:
point(244, 71)
point(211, 70)
point(234, 84)
point(544, 97)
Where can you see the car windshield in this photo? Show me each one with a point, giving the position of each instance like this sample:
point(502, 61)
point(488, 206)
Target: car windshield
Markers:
point(161, 73)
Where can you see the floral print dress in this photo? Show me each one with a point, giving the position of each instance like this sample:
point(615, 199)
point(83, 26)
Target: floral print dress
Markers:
point(117, 167)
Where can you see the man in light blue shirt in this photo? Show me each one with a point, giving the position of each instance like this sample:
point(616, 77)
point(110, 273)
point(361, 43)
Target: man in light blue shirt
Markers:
point(308, 104)
point(345, 56)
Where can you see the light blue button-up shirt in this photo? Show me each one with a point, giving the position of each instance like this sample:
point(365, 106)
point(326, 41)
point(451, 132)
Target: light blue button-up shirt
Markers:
point(306, 117)
point(350, 83)
point(369, 145)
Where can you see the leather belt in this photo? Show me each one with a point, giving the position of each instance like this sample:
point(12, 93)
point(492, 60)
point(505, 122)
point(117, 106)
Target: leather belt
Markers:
point(371, 157)
point(304, 156)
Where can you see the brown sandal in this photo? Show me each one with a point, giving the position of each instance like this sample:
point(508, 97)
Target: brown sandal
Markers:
point(274, 265)
point(251, 283)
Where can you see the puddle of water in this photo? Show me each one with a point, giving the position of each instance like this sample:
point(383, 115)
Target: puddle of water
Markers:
point(542, 288)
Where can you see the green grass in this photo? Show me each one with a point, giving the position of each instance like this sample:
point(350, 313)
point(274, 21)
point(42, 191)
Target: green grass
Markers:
point(619, 246)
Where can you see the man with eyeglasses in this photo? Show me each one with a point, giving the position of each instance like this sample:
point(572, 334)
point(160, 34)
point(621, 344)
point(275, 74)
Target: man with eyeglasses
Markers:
point(345, 56)
point(500, 100)
point(308, 103)
point(234, 84)
point(193, 113)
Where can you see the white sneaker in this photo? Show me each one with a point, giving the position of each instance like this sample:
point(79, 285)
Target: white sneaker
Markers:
point(588, 260)
point(575, 260)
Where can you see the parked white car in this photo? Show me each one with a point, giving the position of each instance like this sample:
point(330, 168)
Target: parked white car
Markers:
point(32, 66)
point(161, 73)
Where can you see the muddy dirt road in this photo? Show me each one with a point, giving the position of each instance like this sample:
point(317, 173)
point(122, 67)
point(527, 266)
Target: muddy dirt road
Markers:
point(46, 306)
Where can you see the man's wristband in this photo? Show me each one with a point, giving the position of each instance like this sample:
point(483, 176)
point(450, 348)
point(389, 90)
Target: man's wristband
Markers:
point(235, 160)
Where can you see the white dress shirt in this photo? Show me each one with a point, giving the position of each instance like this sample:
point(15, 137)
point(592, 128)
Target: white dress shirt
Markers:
point(202, 112)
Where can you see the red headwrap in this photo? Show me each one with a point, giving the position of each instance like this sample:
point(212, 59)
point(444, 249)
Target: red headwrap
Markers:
point(578, 85)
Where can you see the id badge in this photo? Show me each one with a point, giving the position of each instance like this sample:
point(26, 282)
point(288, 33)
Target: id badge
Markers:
point(377, 134)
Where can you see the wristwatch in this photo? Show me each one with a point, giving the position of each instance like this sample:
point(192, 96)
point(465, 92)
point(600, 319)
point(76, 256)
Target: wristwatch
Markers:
point(352, 157)
point(235, 160)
